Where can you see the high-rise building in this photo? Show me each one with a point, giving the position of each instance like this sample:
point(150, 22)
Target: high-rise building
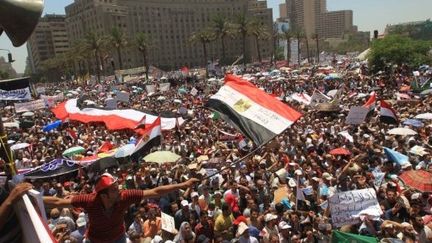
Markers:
point(312, 17)
point(169, 25)
point(49, 39)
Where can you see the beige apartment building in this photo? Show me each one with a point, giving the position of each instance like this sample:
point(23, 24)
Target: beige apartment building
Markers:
point(312, 17)
point(169, 25)
point(49, 39)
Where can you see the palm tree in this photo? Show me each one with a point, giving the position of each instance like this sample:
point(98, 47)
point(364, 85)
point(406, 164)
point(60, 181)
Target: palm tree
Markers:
point(222, 28)
point(306, 37)
point(119, 40)
point(242, 25)
point(287, 35)
point(204, 37)
point(259, 31)
point(143, 42)
point(275, 40)
point(95, 44)
point(299, 35)
point(316, 38)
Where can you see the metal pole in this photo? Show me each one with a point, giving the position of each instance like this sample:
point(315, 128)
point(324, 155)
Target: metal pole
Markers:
point(5, 153)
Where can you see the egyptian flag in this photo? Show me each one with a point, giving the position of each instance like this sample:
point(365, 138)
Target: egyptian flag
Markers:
point(387, 113)
point(114, 119)
point(370, 104)
point(258, 115)
point(151, 138)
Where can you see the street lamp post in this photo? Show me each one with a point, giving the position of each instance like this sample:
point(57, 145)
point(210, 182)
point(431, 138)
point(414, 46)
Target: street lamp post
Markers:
point(5, 152)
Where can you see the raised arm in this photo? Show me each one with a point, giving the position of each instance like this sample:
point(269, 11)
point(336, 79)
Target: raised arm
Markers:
point(161, 190)
point(55, 202)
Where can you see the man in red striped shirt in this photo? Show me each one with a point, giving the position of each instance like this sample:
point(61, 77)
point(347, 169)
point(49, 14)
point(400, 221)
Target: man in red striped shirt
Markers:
point(106, 207)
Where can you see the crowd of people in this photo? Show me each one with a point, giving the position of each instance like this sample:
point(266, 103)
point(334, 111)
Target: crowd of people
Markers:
point(241, 202)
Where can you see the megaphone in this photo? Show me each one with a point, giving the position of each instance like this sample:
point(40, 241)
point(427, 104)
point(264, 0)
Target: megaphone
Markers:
point(18, 19)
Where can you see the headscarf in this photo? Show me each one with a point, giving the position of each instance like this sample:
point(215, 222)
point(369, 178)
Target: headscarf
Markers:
point(181, 236)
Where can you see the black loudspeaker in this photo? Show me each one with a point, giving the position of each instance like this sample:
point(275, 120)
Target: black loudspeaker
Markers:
point(375, 34)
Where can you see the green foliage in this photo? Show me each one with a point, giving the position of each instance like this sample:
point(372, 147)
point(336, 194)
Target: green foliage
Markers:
point(420, 31)
point(396, 49)
point(351, 45)
point(4, 75)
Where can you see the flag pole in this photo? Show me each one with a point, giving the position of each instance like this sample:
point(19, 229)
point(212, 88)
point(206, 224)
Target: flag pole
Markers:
point(244, 157)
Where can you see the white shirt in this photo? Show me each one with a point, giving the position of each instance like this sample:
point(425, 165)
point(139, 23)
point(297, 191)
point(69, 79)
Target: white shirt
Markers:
point(250, 239)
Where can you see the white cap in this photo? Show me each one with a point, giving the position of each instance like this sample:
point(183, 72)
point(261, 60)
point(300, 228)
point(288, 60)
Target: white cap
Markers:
point(81, 221)
point(292, 183)
point(157, 239)
point(242, 228)
point(184, 203)
point(284, 225)
point(194, 194)
point(269, 217)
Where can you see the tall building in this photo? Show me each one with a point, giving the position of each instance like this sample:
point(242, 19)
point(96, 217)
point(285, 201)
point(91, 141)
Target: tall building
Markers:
point(169, 24)
point(312, 17)
point(49, 39)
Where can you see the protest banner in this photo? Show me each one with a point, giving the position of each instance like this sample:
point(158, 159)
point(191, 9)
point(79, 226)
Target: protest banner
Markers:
point(280, 194)
point(30, 106)
point(347, 207)
point(356, 115)
point(168, 223)
point(50, 101)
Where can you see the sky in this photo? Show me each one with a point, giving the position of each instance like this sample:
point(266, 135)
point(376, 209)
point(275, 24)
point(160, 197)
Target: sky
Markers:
point(369, 15)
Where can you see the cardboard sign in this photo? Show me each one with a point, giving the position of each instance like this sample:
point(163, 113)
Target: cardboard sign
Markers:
point(347, 207)
point(111, 103)
point(194, 91)
point(30, 106)
point(122, 96)
point(163, 87)
point(280, 194)
point(150, 88)
point(168, 223)
point(356, 115)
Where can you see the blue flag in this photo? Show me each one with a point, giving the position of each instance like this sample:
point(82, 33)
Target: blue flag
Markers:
point(395, 156)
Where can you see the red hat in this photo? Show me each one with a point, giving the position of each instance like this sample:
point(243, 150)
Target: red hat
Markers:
point(240, 219)
point(104, 182)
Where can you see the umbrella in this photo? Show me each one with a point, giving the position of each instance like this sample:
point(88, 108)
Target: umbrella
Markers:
point(413, 122)
point(426, 116)
point(72, 151)
point(402, 131)
point(125, 151)
point(52, 126)
point(182, 91)
point(27, 114)
point(426, 92)
point(19, 146)
point(340, 151)
point(418, 179)
point(161, 98)
point(162, 157)
point(418, 150)
point(101, 164)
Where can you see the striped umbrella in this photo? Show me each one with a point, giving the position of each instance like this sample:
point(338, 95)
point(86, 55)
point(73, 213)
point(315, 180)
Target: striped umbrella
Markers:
point(417, 179)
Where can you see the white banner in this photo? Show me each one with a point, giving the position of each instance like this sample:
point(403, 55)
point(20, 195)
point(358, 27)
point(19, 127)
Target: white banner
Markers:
point(30, 106)
point(347, 207)
point(163, 87)
point(16, 94)
point(51, 100)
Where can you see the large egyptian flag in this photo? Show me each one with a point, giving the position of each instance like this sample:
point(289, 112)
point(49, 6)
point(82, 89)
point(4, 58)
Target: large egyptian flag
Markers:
point(370, 103)
point(116, 119)
point(387, 113)
point(258, 115)
point(151, 138)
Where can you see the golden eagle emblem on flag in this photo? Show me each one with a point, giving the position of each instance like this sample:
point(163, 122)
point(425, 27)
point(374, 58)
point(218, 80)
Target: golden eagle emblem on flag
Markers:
point(242, 105)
